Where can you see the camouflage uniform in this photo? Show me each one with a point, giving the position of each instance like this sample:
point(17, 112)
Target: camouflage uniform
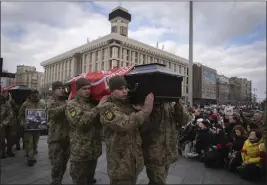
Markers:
point(85, 140)
point(124, 154)
point(58, 139)
point(14, 126)
point(6, 121)
point(31, 138)
point(159, 135)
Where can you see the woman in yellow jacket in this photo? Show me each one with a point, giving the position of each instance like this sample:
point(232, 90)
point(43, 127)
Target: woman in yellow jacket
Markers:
point(253, 155)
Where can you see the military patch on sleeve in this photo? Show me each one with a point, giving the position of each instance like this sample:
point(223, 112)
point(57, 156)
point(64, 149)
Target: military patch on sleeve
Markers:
point(109, 115)
point(73, 113)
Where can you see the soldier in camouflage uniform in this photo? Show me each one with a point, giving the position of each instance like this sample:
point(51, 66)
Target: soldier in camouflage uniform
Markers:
point(31, 138)
point(159, 135)
point(85, 134)
point(121, 124)
point(58, 135)
point(5, 120)
point(13, 126)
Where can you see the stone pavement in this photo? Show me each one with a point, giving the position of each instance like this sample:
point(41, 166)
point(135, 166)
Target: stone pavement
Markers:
point(185, 171)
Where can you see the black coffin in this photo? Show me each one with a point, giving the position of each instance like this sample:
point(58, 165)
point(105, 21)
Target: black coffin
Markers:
point(164, 83)
point(20, 93)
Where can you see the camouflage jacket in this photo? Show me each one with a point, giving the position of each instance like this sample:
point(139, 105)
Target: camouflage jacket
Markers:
point(29, 105)
point(85, 130)
point(6, 115)
point(14, 111)
point(160, 132)
point(121, 128)
point(58, 124)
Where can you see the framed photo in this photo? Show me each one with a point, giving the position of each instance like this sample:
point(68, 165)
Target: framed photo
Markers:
point(36, 119)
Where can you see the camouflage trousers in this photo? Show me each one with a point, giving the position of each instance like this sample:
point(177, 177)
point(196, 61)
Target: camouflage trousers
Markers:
point(9, 135)
point(2, 141)
point(122, 181)
point(82, 173)
point(59, 154)
point(31, 140)
point(157, 175)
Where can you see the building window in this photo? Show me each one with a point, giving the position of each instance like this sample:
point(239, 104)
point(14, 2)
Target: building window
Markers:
point(136, 57)
point(103, 54)
point(110, 52)
point(102, 65)
point(174, 66)
point(114, 29)
point(123, 30)
point(127, 55)
point(180, 70)
point(97, 56)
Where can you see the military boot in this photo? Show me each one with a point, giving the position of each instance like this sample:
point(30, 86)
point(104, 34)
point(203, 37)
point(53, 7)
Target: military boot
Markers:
point(31, 163)
point(10, 153)
point(3, 155)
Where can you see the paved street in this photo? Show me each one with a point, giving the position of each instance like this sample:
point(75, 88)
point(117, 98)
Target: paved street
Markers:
point(15, 171)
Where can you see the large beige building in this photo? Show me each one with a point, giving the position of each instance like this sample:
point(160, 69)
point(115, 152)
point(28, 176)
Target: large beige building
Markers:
point(113, 50)
point(223, 89)
point(246, 90)
point(27, 75)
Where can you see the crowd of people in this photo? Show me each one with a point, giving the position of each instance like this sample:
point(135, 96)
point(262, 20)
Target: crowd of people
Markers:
point(136, 136)
point(226, 138)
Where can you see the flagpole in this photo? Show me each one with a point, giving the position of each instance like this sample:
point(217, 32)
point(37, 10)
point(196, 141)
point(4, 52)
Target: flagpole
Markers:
point(190, 63)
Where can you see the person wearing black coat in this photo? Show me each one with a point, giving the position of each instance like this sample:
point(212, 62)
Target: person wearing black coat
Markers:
point(233, 121)
point(218, 151)
point(234, 156)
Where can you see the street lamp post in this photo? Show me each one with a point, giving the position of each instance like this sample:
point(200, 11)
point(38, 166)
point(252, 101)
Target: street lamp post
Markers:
point(190, 63)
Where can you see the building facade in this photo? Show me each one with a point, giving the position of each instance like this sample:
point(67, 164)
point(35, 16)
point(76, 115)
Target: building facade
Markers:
point(204, 84)
point(235, 90)
point(223, 89)
point(113, 50)
point(246, 90)
point(6, 81)
point(27, 75)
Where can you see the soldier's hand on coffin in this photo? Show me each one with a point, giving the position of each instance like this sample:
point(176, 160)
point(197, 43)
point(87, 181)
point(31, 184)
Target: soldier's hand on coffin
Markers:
point(138, 107)
point(148, 104)
point(102, 101)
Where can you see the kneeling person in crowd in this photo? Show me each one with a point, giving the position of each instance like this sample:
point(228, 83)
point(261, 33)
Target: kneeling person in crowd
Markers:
point(253, 156)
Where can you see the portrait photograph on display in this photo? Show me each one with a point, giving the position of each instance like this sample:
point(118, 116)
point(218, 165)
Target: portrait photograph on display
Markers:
point(36, 119)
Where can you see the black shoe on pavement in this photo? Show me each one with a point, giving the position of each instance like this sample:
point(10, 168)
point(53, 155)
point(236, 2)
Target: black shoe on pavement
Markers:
point(3, 156)
point(30, 163)
point(10, 154)
point(94, 181)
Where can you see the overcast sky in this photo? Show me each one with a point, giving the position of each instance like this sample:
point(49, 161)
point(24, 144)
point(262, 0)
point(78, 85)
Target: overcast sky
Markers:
point(230, 37)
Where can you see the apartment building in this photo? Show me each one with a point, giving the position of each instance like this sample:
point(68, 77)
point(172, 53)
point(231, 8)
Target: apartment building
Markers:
point(27, 75)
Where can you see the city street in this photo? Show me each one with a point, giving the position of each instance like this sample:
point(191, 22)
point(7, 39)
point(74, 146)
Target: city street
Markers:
point(15, 171)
